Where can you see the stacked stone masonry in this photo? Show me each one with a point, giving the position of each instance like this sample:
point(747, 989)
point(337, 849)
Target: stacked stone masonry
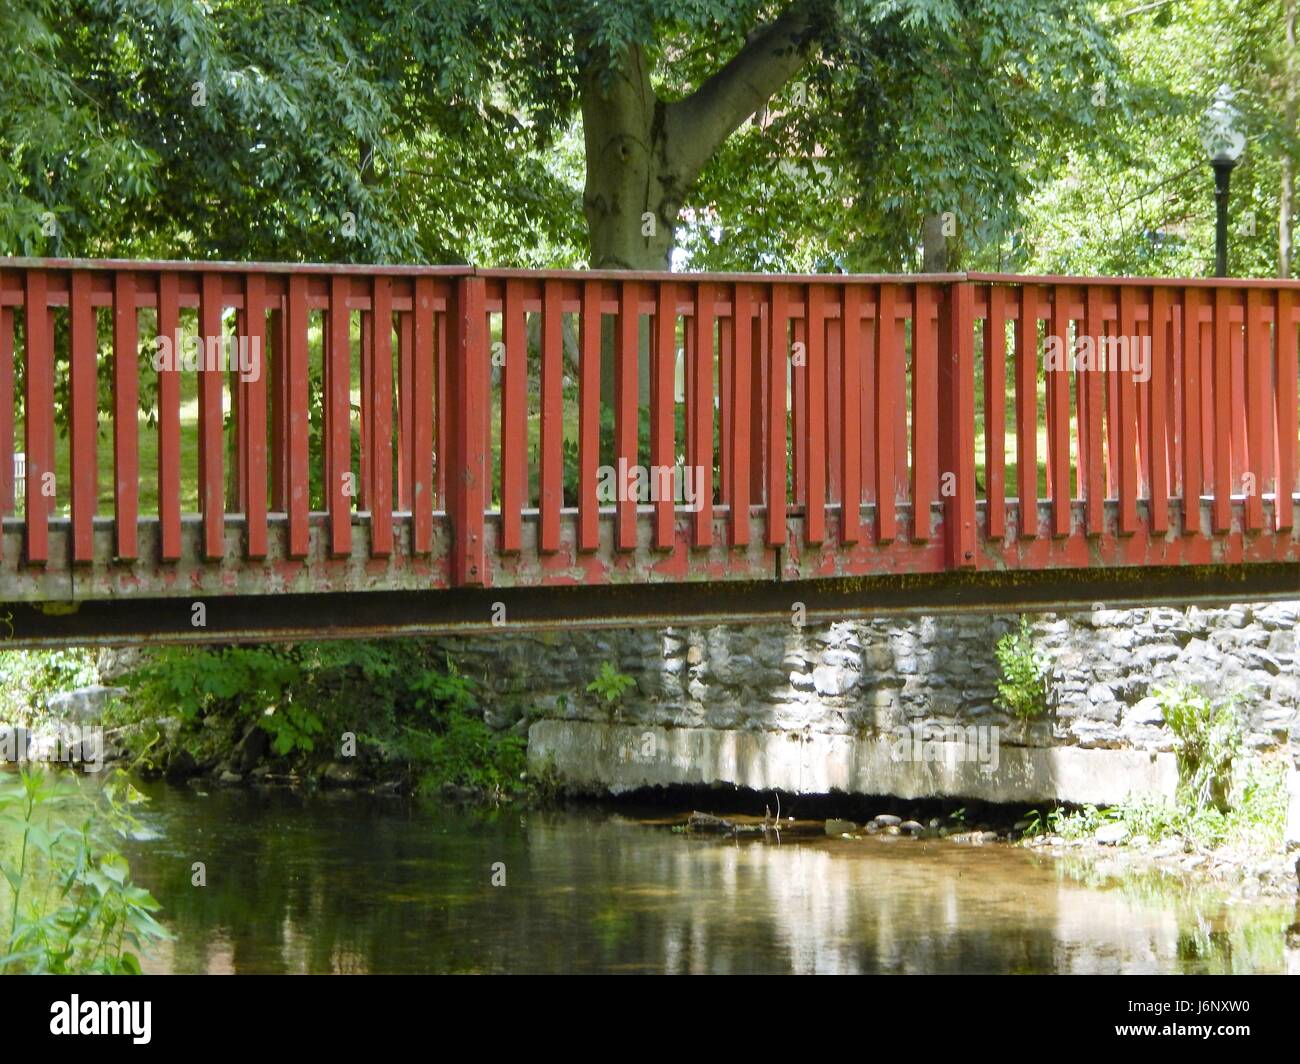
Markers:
point(870, 678)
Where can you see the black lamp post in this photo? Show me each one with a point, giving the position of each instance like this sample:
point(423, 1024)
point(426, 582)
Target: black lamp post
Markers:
point(1224, 144)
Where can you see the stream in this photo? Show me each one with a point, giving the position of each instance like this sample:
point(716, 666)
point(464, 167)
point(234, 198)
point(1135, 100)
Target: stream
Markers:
point(349, 883)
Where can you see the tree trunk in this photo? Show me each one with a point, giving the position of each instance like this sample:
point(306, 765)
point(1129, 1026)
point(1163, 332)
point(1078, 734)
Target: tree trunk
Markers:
point(934, 245)
point(630, 214)
point(643, 155)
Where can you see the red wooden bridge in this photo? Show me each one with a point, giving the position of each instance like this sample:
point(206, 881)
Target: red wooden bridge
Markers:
point(421, 448)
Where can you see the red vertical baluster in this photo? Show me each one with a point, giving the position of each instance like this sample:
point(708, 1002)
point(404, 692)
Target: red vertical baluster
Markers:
point(1027, 410)
point(995, 411)
point(662, 404)
point(211, 488)
point(1239, 400)
point(1173, 392)
point(514, 416)
point(851, 414)
point(888, 404)
point(926, 426)
point(406, 402)
point(38, 416)
point(726, 324)
point(1128, 423)
point(902, 479)
point(277, 360)
point(378, 419)
point(471, 398)
point(1222, 389)
point(758, 396)
point(6, 411)
point(254, 410)
point(956, 386)
point(126, 414)
point(1081, 406)
point(1206, 329)
point(701, 412)
point(365, 460)
point(239, 410)
point(1157, 446)
point(169, 421)
point(834, 396)
point(799, 434)
point(688, 369)
point(1058, 397)
point(297, 420)
point(421, 452)
point(867, 408)
point(1259, 426)
point(778, 358)
point(740, 399)
point(1287, 445)
point(442, 423)
point(1112, 408)
point(815, 424)
point(83, 399)
point(1193, 478)
point(625, 409)
point(338, 440)
point(327, 408)
point(551, 476)
point(589, 416)
point(1142, 395)
point(945, 428)
point(1092, 470)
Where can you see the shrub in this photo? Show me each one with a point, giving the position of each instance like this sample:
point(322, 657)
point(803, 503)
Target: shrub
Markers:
point(1208, 742)
point(1256, 822)
point(402, 701)
point(1022, 690)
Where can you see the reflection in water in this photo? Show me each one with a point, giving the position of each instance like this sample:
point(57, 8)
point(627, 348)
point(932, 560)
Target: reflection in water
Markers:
point(354, 884)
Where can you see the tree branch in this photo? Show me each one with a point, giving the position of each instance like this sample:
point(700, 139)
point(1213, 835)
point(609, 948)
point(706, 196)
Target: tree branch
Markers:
point(696, 126)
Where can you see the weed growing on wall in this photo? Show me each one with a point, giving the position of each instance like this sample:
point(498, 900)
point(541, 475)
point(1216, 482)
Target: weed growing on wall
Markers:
point(1022, 688)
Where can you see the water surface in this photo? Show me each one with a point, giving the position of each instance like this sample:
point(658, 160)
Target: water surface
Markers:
point(350, 883)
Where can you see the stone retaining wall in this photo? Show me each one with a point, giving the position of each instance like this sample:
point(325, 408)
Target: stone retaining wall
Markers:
point(864, 681)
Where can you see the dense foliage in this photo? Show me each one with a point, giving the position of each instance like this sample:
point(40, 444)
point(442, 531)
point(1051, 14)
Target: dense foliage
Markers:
point(392, 705)
point(27, 679)
point(1053, 134)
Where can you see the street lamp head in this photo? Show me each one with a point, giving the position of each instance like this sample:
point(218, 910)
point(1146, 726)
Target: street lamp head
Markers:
point(1223, 140)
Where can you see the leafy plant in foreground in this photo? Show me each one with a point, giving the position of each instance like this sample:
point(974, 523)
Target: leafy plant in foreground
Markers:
point(67, 903)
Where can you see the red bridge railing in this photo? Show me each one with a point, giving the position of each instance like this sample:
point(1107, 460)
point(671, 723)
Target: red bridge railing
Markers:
point(831, 425)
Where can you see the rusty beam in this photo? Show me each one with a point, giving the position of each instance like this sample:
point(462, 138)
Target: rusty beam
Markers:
point(266, 618)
